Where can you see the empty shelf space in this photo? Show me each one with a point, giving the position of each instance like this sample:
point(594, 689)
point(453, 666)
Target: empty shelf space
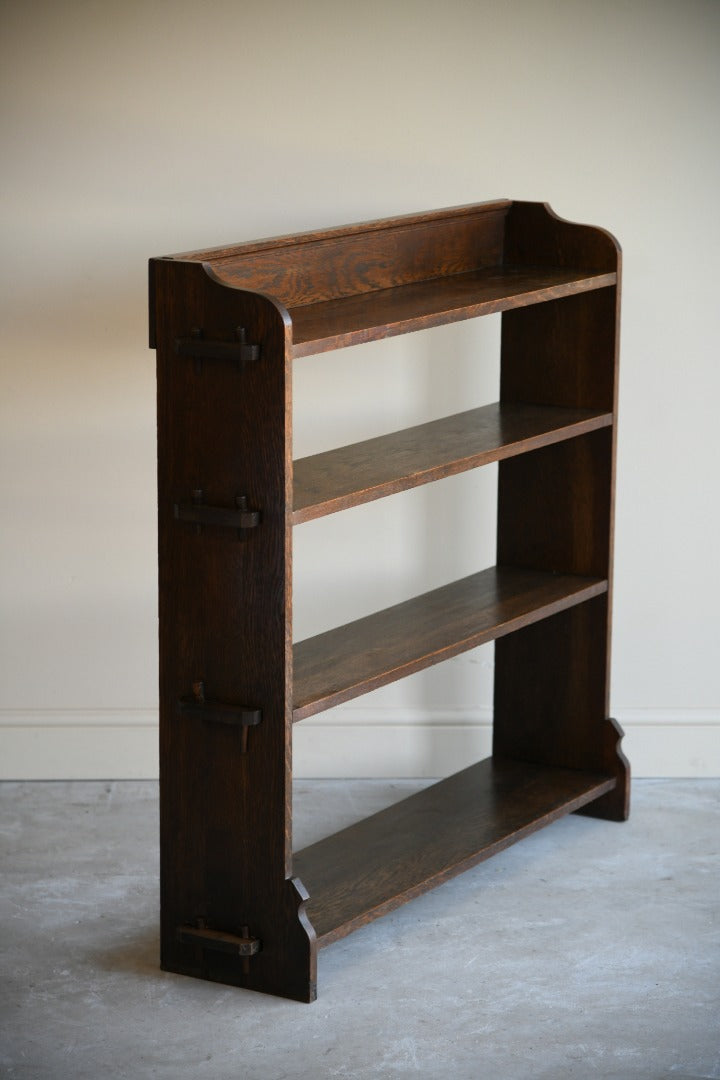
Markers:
point(370, 868)
point(349, 320)
point(350, 475)
point(353, 659)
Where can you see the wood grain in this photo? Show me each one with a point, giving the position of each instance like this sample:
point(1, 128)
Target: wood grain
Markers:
point(332, 267)
point(224, 608)
point(557, 713)
point(370, 868)
point(225, 605)
point(553, 506)
point(555, 511)
point(365, 316)
point(245, 248)
point(351, 475)
point(353, 659)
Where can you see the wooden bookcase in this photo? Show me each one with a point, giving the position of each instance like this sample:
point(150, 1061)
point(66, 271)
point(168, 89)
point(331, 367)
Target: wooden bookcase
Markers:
point(237, 904)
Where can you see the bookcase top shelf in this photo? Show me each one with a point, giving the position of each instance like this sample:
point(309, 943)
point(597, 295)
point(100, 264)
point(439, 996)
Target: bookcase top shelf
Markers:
point(370, 316)
point(345, 286)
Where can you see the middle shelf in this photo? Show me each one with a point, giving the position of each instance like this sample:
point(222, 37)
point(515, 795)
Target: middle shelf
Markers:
point(363, 655)
point(351, 475)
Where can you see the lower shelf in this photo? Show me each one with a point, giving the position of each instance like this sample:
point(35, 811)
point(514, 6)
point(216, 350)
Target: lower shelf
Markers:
point(370, 868)
point(350, 660)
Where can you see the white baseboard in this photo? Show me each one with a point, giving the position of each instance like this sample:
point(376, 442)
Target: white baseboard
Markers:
point(356, 742)
point(107, 744)
point(79, 744)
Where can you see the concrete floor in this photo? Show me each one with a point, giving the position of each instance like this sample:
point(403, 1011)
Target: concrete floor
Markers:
point(591, 949)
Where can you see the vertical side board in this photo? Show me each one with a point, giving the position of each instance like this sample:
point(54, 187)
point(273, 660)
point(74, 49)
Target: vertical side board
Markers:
point(225, 640)
point(556, 508)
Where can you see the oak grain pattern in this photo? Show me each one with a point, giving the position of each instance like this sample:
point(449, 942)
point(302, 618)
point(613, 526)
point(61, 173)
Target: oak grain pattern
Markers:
point(224, 812)
point(370, 868)
point(225, 605)
point(360, 656)
point(326, 263)
point(350, 475)
point(370, 316)
point(555, 510)
point(330, 268)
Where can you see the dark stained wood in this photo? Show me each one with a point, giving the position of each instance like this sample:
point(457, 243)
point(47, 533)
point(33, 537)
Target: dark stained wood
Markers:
point(353, 659)
point(212, 939)
point(555, 512)
point(225, 814)
point(226, 654)
point(536, 236)
point(553, 506)
point(338, 479)
point(557, 353)
point(330, 263)
point(330, 268)
point(557, 714)
point(379, 254)
point(364, 316)
point(371, 868)
point(237, 517)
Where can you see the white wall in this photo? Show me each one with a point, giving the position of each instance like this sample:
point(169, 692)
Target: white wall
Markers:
point(133, 128)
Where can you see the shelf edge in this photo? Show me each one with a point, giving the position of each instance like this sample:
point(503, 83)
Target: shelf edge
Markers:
point(376, 332)
point(592, 588)
point(597, 785)
point(408, 481)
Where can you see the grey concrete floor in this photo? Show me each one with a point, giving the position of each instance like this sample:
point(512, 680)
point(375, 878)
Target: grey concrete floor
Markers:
point(591, 949)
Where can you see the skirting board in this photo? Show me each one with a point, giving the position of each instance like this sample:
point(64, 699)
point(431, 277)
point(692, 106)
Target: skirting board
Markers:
point(114, 744)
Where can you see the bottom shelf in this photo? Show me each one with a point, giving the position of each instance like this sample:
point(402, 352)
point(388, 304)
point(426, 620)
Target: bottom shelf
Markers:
point(370, 868)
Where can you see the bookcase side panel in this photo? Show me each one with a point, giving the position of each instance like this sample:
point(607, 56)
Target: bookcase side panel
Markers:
point(224, 480)
point(536, 236)
point(562, 352)
point(550, 700)
point(555, 512)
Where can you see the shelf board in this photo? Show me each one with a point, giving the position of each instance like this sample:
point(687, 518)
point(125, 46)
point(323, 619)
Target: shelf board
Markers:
point(353, 659)
point(370, 868)
point(368, 316)
point(351, 475)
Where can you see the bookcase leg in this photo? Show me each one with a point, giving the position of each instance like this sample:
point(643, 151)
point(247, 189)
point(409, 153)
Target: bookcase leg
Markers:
point(228, 913)
point(230, 910)
point(615, 805)
point(550, 700)
point(554, 514)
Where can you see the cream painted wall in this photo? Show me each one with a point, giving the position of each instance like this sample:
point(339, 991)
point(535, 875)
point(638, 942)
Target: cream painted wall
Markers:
point(138, 128)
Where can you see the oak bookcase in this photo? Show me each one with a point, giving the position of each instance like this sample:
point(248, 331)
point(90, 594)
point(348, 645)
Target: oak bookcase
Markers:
point(237, 904)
